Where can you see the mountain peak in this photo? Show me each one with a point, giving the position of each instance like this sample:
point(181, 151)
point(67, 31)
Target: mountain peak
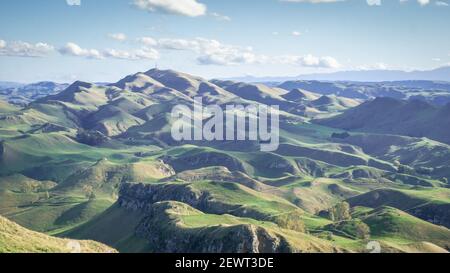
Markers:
point(80, 84)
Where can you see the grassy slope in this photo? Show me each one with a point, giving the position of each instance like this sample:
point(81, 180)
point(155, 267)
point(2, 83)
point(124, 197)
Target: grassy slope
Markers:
point(393, 225)
point(16, 239)
point(175, 220)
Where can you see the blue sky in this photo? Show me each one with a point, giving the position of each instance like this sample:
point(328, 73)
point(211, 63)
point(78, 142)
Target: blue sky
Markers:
point(104, 40)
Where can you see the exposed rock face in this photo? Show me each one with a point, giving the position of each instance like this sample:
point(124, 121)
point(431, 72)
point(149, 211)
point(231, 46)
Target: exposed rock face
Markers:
point(141, 197)
point(218, 239)
point(164, 207)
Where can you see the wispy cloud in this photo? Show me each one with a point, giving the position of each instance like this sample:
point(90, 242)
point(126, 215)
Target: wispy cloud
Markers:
point(190, 8)
point(118, 36)
point(369, 2)
point(220, 17)
point(73, 2)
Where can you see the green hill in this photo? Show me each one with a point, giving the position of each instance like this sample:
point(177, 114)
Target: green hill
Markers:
point(399, 227)
point(16, 239)
point(390, 116)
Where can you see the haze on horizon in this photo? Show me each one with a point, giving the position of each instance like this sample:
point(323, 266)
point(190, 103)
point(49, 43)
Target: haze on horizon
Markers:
point(103, 40)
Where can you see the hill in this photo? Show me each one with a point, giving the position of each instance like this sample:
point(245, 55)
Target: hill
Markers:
point(14, 238)
point(390, 116)
point(97, 161)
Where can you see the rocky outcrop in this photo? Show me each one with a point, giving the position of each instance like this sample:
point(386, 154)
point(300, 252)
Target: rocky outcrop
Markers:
point(205, 159)
point(168, 236)
point(143, 196)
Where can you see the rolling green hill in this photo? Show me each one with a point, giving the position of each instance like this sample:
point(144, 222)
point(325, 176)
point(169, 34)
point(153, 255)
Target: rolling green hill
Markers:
point(98, 162)
point(14, 238)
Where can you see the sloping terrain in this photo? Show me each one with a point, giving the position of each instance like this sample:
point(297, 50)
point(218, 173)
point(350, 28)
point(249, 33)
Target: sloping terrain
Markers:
point(390, 116)
point(14, 238)
point(98, 162)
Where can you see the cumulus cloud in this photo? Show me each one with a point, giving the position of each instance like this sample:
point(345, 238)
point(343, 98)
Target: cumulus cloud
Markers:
point(138, 54)
point(369, 2)
point(148, 41)
point(313, 1)
point(310, 61)
point(374, 2)
point(210, 52)
point(118, 36)
point(144, 53)
point(24, 49)
point(72, 49)
point(423, 2)
point(190, 8)
point(73, 2)
point(379, 2)
point(213, 52)
point(296, 33)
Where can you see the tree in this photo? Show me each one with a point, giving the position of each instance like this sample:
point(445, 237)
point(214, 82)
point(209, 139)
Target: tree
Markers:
point(340, 212)
point(340, 135)
point(89, 192)
point(92, 138)
point(362, 230)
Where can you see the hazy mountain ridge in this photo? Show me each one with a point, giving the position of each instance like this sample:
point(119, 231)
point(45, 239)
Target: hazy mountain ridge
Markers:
point(370, 75)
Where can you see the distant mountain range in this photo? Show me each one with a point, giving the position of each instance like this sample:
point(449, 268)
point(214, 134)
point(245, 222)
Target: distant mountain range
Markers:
point(438, 74)
point(22, 94)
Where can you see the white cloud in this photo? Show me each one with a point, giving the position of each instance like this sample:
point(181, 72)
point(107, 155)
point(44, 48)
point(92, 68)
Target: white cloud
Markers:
point(118, 36)
point(190, 8)
point(423, 2)
point(374, 2)
point(73, 49)
point(139, 54)
point(144, 53)
point(178, 44)
point(376, 66)
point(369, 2)
point(296, 33)
point(73, 2)
point(210, 52)
point(310, 61)
point(442, 4)
point(213, 52)
point(313, 1)
point(220, 17)
point(148, 41)
point(24, 49)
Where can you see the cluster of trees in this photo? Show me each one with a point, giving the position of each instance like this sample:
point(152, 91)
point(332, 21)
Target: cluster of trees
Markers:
point(89, 192)
point(340, 135)
point(91, 138)
point(341, 215)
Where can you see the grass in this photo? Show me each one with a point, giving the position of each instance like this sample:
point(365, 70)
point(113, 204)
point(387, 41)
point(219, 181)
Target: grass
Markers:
point(394, 225)
point(16, 239)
